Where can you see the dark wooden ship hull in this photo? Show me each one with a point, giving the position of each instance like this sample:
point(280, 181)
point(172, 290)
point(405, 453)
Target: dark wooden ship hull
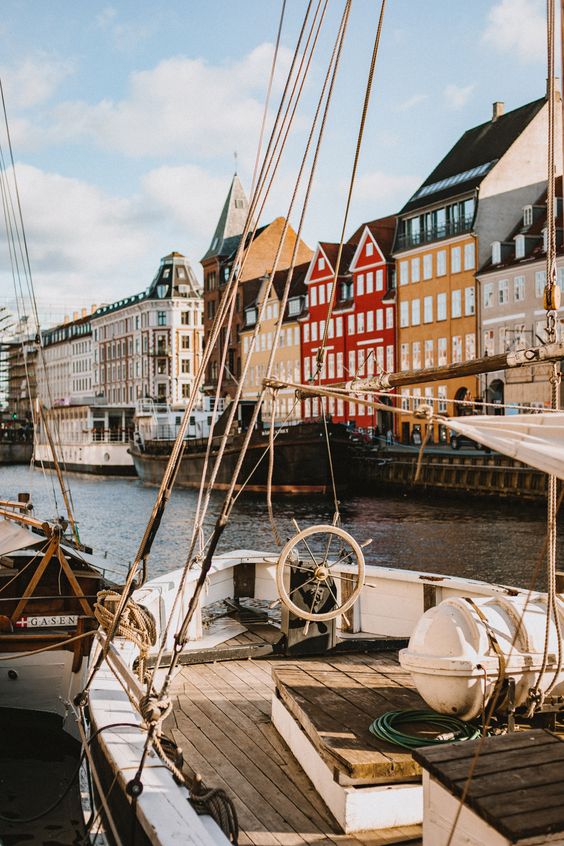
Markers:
point(301, 460)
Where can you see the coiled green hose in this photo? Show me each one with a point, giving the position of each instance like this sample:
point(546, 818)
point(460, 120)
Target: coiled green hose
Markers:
point(384, 727)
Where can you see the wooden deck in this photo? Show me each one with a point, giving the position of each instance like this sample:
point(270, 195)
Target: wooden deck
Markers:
point(221, 719)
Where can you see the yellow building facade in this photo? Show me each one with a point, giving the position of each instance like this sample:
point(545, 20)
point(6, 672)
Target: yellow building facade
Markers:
point(437, 323)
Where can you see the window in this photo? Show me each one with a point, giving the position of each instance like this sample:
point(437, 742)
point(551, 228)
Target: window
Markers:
point(415, 312)
point(379, 280)
point(360, 323)
point(379, 319)
point(496, 252)
point(339, 364)
point(504, 339)
point(441, 263)
point(185, 317)
point(307, 369)
point(527, 216)
point(442, 351)
point(469, 256)
point(428, 309)
point(456, 304)
point(404, 272)
point(561, 278)
point(314, 331)
point(404, 314)
point(306, 333)
point(185, 342)
point(390, 318)
point(185, 365)
point(352, 364)
point(456, 260)
point(404, 357)
point(339, 326)
point(369, 282)
point(369, 248)
point(321, 295)
point(456, 348)
point(350, 324)
point(331, 366)
point(379, 361)
point(405, 399)
point(185, 391)
point(321, 263)
point(442, 396)
point(429, 353)
point(390, 358)
point(503, 291)
point(360, 284)
point(331, 330)
point(428, 266)
point(519, 337)
point(470, 346)
point(519, 246)
point(441, 306)
point(415, 269)
point(545, 239)
point(488, 295)
point(369, 321)
point(161, 318)
point(416, 353)
point(519, 289)
point(489, 342)
point(313, 296)
point(540, 282)
point(469, 300)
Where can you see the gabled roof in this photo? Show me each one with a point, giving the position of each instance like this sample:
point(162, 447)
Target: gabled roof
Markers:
point(382, 230)
point(473, 156)
point(231, 220)
point(252, 287)
point(331, 250)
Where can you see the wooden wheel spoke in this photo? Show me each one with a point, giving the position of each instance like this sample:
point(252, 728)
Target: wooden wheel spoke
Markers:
point(299, 587)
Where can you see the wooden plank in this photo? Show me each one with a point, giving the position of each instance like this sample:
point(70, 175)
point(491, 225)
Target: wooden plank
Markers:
point(279, 809)
point(339, 730)
point(245, 738)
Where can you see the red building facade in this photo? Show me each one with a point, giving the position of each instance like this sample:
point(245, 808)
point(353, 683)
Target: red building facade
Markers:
point(361, 333)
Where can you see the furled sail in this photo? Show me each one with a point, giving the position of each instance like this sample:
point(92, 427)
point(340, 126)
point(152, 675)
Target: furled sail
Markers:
point(534, 439)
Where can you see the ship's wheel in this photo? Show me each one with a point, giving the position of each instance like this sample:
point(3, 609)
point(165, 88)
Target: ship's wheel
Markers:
point(322, 567)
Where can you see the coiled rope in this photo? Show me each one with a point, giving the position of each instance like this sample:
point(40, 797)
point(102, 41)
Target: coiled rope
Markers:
point(135, 624)
point(385, 728)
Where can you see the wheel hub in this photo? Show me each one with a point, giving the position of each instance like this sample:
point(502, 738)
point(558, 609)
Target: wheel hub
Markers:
point(321, 573)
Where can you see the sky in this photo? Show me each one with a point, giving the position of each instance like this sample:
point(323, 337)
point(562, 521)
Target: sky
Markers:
point(125, 118)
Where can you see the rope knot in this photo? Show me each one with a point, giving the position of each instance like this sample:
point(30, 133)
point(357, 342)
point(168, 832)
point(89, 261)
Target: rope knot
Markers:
point(424, 411)
point(154, 709)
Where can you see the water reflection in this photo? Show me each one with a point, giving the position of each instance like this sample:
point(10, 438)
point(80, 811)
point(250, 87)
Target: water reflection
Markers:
point(467, 537)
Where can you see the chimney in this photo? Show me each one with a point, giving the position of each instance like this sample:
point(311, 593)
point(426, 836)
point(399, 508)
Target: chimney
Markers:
point(498, 110)
point(93, 308)
point(75, 315)
point(84, 312)
point(66, 318)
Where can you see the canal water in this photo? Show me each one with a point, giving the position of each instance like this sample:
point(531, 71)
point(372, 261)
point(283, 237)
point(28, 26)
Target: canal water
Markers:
point(492, 540)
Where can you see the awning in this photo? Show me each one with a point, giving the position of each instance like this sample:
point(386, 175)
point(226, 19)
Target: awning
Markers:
point(534, 439)
point(13, 537)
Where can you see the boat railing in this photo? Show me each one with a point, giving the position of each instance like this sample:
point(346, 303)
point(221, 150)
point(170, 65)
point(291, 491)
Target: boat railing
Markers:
point(107, 436)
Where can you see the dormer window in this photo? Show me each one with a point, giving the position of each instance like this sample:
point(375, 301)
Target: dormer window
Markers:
point(519, 246)
point(496, 252)
point(527, 216)
point(321, 263)
point(369, 248)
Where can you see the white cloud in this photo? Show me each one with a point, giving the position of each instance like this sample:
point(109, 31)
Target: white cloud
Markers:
point(84, 243)
point(182, 106)
point(411, 102)
point(191, 197)
point(457, 96)
point(519, 27)
point(34, 81)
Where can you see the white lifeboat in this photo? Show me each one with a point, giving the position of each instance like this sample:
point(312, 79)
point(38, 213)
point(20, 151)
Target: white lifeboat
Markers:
point(459, 649)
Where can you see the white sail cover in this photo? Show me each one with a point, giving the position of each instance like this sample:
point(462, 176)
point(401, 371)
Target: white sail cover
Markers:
point(534, 439)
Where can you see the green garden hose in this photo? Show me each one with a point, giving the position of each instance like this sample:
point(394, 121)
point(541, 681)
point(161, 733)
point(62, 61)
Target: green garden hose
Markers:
point(384, 728)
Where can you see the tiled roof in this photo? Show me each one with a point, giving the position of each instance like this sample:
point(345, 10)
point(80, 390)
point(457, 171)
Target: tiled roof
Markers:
point(383, 229)
point(473, 156)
